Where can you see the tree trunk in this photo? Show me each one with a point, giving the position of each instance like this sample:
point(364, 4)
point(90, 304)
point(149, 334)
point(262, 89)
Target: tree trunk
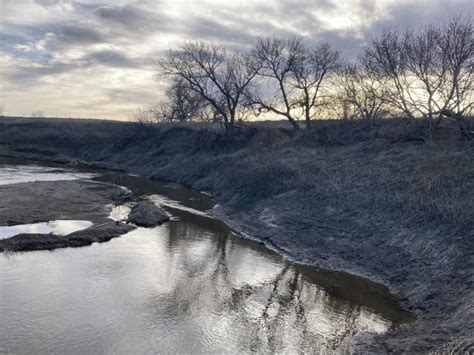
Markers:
point(464, 127)
point(231, 123)
point(229, 129)
point(295, 124)
point(308, 119)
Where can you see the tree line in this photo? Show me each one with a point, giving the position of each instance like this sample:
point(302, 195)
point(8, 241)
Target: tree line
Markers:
point(412, 74)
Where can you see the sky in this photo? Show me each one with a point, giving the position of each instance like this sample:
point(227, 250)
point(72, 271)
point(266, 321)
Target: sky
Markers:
point(95, 58)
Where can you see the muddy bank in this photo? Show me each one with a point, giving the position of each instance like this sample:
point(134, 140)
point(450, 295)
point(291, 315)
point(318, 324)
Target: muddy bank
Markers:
point(34, 202)
point(400, 213)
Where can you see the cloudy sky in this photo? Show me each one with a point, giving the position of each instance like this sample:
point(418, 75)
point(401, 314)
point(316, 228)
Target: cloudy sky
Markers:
point(94, 58)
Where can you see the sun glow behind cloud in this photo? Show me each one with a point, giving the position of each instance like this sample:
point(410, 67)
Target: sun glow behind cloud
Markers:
point(95, 58)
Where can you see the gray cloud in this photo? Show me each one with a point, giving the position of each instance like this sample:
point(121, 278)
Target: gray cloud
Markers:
point(415, 14)
point(48, 3)
point(50, 36)
point(349, 46)
point(22, 75)
point(132, 19)
point(125, 95)
point(236, 29)
point(296, 9)
point(110, 58)
point(210, 29)
point(79, 34)
point(126, 15)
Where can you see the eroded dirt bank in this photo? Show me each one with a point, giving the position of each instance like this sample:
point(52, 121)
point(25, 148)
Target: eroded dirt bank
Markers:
point(64, 200)
point(396, 211)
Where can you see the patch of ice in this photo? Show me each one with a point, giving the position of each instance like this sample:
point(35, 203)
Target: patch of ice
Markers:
point(119, 213)
point(15, 174)
point(57, 227)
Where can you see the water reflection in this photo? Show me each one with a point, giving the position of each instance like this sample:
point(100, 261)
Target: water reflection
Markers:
point(246, 299)
point(181, 287)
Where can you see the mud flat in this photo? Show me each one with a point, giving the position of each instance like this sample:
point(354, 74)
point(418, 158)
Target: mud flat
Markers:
point(43, 201)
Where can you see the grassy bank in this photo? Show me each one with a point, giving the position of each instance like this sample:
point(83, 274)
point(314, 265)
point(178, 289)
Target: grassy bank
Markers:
point(373, 199)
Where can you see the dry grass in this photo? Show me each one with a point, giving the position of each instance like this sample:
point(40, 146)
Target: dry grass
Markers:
point(459, 345)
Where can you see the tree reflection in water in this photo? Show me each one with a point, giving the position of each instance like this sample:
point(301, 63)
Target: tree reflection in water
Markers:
point(237, 295)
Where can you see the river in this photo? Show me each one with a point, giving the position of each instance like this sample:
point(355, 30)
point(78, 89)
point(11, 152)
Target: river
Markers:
point(191, 285)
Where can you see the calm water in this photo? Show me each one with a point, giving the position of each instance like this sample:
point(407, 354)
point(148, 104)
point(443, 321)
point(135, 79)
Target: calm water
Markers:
point(188, 286)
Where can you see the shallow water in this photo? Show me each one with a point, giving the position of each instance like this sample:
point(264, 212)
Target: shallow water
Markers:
point(191, 285)
point(57, 227)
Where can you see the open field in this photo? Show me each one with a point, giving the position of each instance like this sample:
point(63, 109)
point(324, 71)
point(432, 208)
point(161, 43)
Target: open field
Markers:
point(372, 199)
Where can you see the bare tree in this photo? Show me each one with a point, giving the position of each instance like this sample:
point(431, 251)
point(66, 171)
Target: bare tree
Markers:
point(291, 77)
point(309, 71)
point(38, 114)
point(457, 46)
point(427, 70)
point(143, 116)
point(218, 77)
point(427, 73)
point(180, 103)
point(386, 59)
point(360, 93)
point(439, 61)
point(277, 58)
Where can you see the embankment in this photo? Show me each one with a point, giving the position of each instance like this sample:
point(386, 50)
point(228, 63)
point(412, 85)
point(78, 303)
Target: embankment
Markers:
point(375, 202)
